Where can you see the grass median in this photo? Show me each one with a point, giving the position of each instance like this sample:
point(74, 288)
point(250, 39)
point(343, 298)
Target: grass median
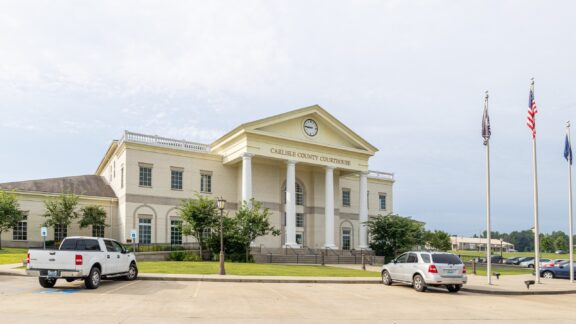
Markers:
point(250, 269)
point(12, 255)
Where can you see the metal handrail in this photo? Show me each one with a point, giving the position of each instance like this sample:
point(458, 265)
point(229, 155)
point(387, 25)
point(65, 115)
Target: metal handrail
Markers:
point(331, 250)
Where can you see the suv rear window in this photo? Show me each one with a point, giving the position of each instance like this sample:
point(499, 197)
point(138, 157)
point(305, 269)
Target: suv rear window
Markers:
point(446, 258)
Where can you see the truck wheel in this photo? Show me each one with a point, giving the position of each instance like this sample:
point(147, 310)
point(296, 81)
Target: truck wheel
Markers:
point(418, 283)
point(93, 279)
point(47, 282)
point(132, 272)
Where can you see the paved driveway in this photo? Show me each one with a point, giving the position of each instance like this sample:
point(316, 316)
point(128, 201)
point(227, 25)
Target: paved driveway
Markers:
point(23, 300)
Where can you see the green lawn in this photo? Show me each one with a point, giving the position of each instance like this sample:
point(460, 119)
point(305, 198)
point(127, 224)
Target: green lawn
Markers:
point(12, 255)
point(250, 269)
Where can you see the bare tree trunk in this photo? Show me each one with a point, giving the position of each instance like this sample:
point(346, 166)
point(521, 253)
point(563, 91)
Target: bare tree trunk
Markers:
point(0, 240)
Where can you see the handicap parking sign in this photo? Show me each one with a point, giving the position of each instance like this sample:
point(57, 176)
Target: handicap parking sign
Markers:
point(133, 235)
point(43, 232)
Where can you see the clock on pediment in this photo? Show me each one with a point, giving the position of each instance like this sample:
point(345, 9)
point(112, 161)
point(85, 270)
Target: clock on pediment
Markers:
point(310, 127)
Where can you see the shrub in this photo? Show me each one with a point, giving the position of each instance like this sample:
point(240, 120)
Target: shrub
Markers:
point(183, 256)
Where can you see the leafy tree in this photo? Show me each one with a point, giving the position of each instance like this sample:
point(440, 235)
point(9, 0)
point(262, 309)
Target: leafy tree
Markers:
point(561, 243)
point(438, 240)
point(93, 216)
point(546, 243)
point(61, 211)
point(252, 222)
point(198, 214)
point(10, 213)
point(393, 234)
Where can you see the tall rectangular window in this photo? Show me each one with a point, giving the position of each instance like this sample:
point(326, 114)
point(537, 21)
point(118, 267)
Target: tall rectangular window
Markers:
point(206, 183)
point(60, 232)
point(145, 176)
point(20, 232)
point(176, 180)
point(175, 232)
point(122, 177)
point(145, 231)
point(346, 235)
point(382, 199)
point(98, 230)
point(346, 197)
point(299, 220)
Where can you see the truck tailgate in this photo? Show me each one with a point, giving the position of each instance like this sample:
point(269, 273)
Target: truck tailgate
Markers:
point(52, 260)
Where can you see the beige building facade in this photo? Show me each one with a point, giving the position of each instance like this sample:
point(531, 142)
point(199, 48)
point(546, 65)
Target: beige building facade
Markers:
point(307, 167)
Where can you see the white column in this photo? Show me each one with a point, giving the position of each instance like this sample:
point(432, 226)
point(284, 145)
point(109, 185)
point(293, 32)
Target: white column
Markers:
point(291, 204)
point(363, 210)
point(246, 177)
point(329, 209)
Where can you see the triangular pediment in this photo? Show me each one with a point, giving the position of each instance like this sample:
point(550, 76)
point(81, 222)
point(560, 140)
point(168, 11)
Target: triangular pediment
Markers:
point(325, 130)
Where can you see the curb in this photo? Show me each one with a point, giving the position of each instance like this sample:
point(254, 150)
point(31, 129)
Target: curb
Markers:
point(14, 274)
point(517, 293)
point(260, 280)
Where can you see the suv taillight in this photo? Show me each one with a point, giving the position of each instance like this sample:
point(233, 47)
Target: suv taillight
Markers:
point(78, 259)
point(28, 258)
point(463, 269)
point(432, 269)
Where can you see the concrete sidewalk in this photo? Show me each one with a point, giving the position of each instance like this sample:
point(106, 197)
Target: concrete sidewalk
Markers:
point(506, 285)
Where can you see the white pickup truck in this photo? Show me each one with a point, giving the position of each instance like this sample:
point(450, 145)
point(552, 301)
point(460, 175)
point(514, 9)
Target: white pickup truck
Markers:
point(82, 258)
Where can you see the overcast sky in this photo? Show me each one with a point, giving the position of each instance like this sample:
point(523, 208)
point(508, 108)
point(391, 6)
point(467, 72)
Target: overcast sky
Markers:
point(408, 76)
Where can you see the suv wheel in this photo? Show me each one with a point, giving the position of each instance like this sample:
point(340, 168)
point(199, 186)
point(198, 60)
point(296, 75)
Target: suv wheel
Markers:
point(47, 282)
point(531, 266)
point(386, 279)
point(132, 272)
point(93, 280)
point(418, 283)
point(453, 288)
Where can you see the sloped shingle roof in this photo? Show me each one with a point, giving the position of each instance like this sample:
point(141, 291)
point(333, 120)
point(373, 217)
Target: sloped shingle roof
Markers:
point(85, 185)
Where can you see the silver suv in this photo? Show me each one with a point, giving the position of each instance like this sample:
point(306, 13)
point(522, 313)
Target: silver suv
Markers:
point(424, 269)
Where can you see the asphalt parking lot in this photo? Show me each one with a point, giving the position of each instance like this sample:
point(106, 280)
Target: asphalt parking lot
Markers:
point(22, 300)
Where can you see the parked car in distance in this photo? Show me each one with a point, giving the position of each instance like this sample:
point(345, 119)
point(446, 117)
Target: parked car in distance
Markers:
point(524, 259)
point(82, 258)
point(511, 260)
point(496, 259)
point(530, 263)
point(562, 272)
point(426, 269)
point(560, 252)
point(553, 263)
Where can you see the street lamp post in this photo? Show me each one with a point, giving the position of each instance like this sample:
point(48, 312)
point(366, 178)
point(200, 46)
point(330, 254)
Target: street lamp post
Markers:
point(221, 204)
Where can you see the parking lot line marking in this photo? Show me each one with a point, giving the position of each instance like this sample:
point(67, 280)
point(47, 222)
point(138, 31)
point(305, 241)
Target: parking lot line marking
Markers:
point(197, 289)
point(116, 289)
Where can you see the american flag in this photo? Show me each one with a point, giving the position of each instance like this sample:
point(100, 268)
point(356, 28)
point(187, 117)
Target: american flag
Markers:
point(532, 110)
point(486, 132)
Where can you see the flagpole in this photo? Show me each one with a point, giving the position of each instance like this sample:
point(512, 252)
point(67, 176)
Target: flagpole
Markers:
point(536, 227)
point(570, 225)
point(488, 225)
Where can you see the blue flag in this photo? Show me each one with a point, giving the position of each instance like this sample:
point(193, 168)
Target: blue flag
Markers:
point(568, 150)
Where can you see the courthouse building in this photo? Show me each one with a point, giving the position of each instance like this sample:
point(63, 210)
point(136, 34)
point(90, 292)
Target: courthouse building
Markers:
point(307, 167)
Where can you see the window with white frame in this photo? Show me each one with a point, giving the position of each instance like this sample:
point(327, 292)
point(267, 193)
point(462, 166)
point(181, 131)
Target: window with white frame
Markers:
point(145, 179)
point(346, 197)
point(175, 231)
point(20, 231)
point(60, 232)
point(98, 230)
point(176, 179)
point(299, 195)
point(382, 200)
point(299, 220)
point(346, 238)
point(206, 182)
point(145, 230)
